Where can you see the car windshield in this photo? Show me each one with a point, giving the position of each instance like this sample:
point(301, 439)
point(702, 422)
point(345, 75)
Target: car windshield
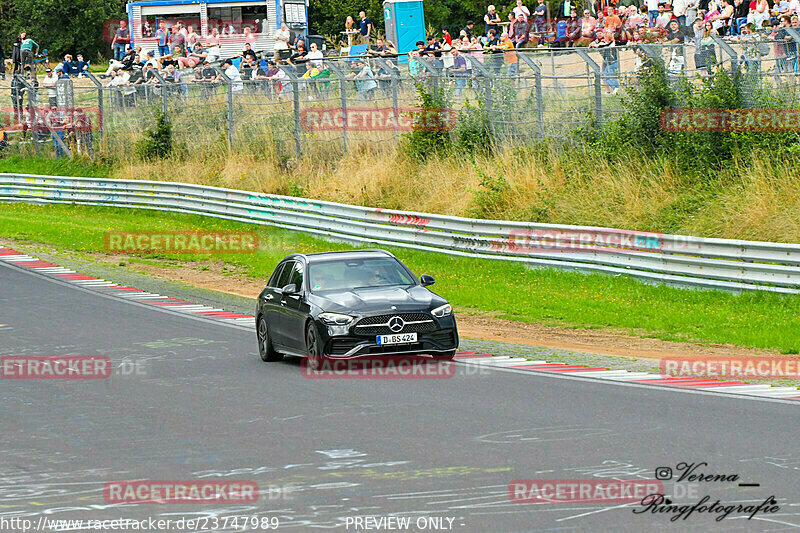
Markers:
point(348, 274)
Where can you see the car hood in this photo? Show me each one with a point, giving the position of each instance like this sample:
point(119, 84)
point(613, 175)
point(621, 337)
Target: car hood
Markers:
point(378, 300)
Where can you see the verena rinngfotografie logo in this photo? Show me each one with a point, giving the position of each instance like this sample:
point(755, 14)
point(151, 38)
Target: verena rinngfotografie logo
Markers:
point(726, 368)
point(172, 492)
point(729, 120)
point(55, 367)
point(582, 490)
point(377, 119)
point(379, 367)
point(181, 242)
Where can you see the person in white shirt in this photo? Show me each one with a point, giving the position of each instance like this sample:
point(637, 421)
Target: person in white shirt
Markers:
point(314, 56)
point(679, 8)
point(521, 9)
point(233, 74)
point(281, 39)
point(49, 81)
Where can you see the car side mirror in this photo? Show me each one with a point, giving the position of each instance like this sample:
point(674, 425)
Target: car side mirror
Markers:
point(289, 289)
point(426, 280)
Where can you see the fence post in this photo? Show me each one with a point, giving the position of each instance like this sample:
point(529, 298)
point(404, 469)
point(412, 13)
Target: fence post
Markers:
point(487, 87)
point(435, 73)
point(296, 94)
point(30, 111)
point(728, 49)
point(163, 84)
point(343, 100)
point(598, 88)
point(394, 74)
point(537, 80)
point(229, 98)
point(99, 87)
point(34, 113)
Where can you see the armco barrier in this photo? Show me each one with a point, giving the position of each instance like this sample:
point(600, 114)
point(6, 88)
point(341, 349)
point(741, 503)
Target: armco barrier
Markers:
point(675, 259)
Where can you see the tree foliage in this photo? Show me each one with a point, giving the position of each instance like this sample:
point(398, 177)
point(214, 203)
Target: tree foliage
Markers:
point(61, 26)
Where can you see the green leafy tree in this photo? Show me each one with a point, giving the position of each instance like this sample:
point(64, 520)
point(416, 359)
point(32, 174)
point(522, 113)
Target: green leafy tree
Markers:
point(61, 26)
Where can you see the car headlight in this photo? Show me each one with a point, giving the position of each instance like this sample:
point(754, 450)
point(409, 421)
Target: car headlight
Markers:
point(336, 319)
point(443, 311)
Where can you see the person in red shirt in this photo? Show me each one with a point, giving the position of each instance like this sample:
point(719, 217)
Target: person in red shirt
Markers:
point(447, 38)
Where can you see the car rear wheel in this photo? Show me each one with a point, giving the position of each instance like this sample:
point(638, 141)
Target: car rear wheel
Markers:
point(313, 348)
point(265, 349)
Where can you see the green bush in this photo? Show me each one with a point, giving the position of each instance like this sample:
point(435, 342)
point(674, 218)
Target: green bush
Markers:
point(639, 126)
point(425, 139)
point(157, 142)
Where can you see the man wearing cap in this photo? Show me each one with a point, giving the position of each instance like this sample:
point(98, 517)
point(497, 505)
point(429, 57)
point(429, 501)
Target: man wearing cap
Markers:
point(491, 19)
point(469, 29)
point(588, 24)
point(49, 81)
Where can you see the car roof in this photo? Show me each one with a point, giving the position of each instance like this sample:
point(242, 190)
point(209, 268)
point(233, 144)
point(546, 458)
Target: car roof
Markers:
point(345, 254)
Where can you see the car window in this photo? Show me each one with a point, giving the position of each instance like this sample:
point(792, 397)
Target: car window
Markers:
point(297, 275)
point(357, 273)
point(287, 272)
point(273, 280)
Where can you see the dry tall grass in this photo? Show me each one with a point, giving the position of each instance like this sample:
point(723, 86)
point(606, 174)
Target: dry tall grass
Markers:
point(756, 201)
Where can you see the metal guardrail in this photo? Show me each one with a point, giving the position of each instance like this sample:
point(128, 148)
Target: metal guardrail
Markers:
point(674, 259)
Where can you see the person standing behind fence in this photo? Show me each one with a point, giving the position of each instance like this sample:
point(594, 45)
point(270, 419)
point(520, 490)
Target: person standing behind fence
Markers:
point(605, 42)
point(281, 38)
point(121, 39)
point(162, 35)
point(491, 20)
point(49, 81)
point(26, 52)
point(365, 26)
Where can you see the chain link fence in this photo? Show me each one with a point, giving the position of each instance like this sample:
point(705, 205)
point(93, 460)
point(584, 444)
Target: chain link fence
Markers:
point(327, 107)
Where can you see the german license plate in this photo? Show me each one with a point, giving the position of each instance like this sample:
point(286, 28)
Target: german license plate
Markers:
point(399, 338)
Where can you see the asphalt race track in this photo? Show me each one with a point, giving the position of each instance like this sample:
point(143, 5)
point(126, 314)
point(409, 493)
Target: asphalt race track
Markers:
point(190, 399)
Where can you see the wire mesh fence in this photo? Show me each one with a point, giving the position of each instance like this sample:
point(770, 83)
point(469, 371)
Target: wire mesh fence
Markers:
point(326, 107)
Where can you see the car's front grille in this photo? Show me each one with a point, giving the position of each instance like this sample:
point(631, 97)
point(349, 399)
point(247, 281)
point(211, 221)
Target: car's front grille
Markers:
point(376, 325)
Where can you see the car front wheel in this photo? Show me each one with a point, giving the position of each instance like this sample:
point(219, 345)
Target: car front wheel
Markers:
point(313, 348)
point(447, 356)
point(265, 349)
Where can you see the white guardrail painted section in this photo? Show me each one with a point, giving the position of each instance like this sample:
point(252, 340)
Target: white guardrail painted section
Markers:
point(674, 259)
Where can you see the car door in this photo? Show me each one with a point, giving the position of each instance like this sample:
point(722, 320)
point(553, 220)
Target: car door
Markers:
point(295, 309)
point(275, 311)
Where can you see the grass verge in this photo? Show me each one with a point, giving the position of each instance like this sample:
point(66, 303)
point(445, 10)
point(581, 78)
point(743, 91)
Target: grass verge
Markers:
point(511, 291)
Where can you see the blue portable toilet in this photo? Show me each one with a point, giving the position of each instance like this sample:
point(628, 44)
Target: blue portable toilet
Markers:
point(405, 24)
